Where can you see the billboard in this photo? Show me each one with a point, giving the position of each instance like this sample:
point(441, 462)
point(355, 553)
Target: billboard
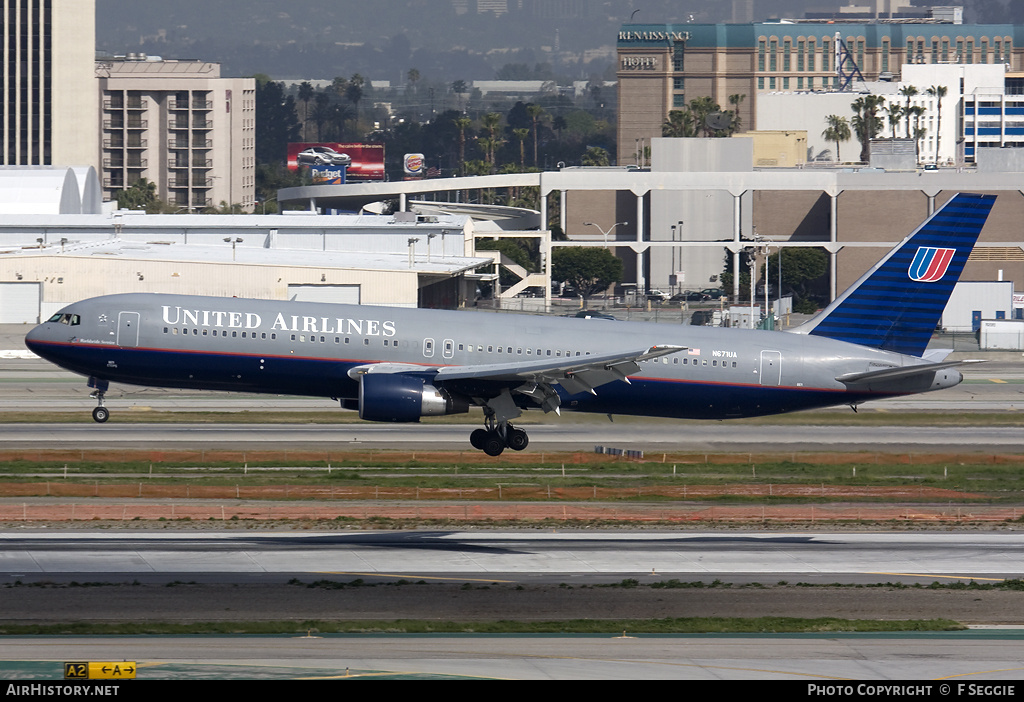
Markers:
point(362, 161)
point(413, 166)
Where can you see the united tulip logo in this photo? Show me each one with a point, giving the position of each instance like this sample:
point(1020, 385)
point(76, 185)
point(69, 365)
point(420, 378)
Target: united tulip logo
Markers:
point(930, 264)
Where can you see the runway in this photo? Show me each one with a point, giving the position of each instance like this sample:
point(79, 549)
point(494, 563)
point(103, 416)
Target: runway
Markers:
point(646, 435)
point(947, 660)
point(520, 575)
point(511, 556)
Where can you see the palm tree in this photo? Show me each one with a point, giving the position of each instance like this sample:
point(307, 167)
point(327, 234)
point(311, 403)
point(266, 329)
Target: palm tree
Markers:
point(894, 111)
point(701, 107)
point(306, 93)
point(866, 123)
point(354, 93)
point(535, 112)
point(321, 112)
point(678, 124)
point(917, 111)
point(908, 91)
point(522, 134)
point(938, 92)
point(737, 122)
point(838, 130)
point(462, 124)
point(490, 121)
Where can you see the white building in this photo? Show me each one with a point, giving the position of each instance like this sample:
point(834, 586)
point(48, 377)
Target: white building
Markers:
point(50, 103)
point(942, 135)
point(181, 126)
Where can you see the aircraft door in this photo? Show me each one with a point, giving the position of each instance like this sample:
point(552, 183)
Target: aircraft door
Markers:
point(128, 329)
point(771, 368)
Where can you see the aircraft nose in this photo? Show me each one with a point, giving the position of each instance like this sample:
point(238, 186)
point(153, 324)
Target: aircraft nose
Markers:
point(33, 340)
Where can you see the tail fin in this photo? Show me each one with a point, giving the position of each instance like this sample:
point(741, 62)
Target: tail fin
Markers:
point(896, 305)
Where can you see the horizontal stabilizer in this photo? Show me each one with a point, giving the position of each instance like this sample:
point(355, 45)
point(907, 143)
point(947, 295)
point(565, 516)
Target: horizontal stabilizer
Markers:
point(898, 373)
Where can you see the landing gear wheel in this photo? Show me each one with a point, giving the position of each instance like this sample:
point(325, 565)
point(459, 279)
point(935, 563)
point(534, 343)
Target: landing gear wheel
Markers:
point(517, 439)
point(101, 414)
point(493, 444)
point(476, 439)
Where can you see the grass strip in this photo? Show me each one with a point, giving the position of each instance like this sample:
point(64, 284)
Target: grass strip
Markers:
point(694, 625)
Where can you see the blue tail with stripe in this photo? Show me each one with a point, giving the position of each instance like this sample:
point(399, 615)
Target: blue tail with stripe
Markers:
point(897, 304)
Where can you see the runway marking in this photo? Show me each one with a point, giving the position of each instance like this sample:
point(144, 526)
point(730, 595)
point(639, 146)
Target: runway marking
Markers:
point(980, 672)
point(933, 575)
point(418, 577)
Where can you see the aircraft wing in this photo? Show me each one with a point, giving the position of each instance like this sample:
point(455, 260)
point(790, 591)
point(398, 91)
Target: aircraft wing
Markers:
point(575, 374)
point(534, 378)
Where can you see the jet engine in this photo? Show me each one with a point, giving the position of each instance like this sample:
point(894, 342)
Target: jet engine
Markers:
point(388, 397)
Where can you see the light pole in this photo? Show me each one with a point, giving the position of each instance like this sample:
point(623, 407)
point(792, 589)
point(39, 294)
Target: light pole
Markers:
point(233, 241)
point(412, 247)
point(603, 232)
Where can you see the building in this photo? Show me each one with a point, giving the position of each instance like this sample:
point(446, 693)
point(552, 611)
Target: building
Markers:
point(664, 67)
point(182, 127)
point(50, 106)
point(48, 261)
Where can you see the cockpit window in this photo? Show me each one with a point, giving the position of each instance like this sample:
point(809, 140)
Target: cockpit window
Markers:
point(65, 318)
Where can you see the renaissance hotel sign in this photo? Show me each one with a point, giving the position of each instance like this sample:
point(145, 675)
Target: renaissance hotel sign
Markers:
point(652, 36)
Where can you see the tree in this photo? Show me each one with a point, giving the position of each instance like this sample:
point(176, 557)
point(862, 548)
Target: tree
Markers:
point(908, 91)
point(535, 112)
point(306, 93)
point(276, 121)
point(679, 124)
point(596, 156)
point(866, 123)
point(838, 130)
point(354, 93)
point(522, 135)
point(321, 113)
point(803, 270)
point(737, 122)
point(140, 196)
point(938, 92)
point(895, 112)
point(490, 121)
point(589, 269)
point(462, 123)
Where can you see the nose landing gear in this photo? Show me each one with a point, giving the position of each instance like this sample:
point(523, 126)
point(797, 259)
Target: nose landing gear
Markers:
point(100, 414)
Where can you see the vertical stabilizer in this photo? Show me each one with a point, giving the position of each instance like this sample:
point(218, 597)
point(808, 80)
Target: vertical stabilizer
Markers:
point(896, 305)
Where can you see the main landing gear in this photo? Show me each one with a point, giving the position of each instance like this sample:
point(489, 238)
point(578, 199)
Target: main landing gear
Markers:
point(497, 436)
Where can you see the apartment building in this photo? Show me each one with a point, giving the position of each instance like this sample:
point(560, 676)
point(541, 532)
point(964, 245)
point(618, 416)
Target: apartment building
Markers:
point(182, 127)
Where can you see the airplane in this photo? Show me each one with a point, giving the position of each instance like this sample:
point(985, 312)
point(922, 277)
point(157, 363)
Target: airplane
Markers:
point(399, 365)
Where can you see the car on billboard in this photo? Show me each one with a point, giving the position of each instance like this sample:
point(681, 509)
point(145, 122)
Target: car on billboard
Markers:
point(322, 156)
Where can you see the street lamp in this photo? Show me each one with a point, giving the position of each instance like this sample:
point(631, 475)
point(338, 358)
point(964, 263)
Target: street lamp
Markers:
point(603, 232)
point(412, 244)
point(233, 242)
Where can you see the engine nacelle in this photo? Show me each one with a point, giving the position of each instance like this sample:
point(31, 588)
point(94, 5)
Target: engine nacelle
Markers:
point(389, 397)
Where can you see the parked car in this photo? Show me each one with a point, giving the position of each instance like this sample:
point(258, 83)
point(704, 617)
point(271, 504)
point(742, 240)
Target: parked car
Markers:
point(322, 156)
point(712, 293)
point(689, 296)
point(593, 314)
point(658, 295)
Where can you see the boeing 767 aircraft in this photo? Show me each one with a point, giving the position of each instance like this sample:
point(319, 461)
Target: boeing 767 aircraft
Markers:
point(398, 365)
